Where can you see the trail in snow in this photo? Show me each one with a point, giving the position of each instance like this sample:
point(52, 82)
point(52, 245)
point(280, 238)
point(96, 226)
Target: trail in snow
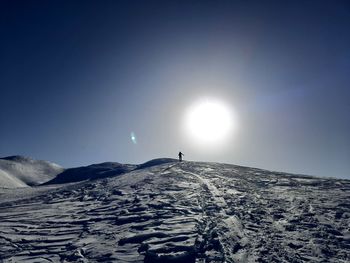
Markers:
point(227, 228)
point(182, 212)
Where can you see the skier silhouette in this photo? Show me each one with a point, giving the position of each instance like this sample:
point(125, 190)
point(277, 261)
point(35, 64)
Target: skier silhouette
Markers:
point(180, 156)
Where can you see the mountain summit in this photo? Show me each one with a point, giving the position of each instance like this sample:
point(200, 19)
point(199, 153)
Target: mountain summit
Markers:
point(189, 212)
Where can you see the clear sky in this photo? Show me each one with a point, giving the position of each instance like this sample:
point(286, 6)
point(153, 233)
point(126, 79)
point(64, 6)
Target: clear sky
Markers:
point(78, 78)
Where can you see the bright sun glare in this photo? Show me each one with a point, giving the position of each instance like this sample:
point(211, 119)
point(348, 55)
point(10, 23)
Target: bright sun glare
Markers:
point(209, 122)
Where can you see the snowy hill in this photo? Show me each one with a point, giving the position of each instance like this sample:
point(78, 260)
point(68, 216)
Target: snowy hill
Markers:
point(19, 171)
point(185, 212)
point(102, 170)
point(93, 171)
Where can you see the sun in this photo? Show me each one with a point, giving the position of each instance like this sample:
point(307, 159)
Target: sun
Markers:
point(209, 121)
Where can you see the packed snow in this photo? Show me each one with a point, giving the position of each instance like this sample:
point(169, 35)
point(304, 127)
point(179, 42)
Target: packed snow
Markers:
point(166, 211)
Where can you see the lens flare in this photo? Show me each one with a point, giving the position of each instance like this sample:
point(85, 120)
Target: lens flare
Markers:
point(133, 138)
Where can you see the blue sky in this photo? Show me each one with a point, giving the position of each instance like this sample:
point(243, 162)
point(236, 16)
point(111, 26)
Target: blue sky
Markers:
point(78, 77)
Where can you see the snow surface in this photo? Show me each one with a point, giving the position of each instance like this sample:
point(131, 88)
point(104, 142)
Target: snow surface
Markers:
point(19, 171)
point(179, 212)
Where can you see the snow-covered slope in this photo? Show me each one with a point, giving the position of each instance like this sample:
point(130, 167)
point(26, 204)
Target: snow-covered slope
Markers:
point(180, 212)
point(155, 162)
point(102, 170)
point(19, 171)
point(94, 171)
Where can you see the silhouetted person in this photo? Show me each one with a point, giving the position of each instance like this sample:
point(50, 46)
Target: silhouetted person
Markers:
point(180, 156)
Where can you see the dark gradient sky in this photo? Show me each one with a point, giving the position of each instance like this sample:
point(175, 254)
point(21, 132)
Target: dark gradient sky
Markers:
point(77, 77)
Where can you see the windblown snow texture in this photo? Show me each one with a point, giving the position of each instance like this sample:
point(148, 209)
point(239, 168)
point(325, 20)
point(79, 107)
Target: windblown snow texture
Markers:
point(179, 212)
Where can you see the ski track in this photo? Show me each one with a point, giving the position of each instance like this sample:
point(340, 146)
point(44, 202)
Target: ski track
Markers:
point(183, 212)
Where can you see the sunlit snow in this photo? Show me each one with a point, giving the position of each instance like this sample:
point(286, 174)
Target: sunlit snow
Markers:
point(166, 211)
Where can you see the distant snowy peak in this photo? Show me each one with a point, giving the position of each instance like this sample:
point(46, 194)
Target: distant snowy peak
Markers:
point(102, 170)
point(28, 160)
point(90, 172)
point(155, 162)
point(19, 171)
